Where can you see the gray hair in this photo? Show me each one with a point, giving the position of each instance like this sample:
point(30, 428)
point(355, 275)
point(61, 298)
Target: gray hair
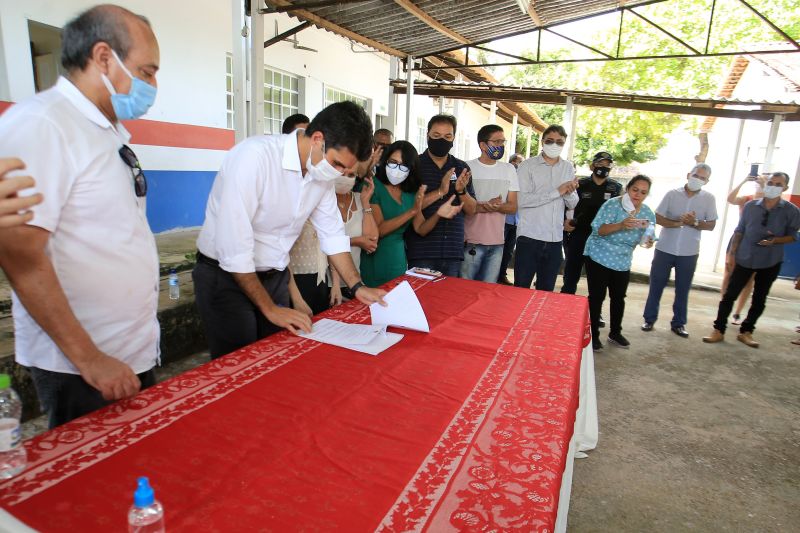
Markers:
point(701, 166)
point(104, 23)
point(783, 175)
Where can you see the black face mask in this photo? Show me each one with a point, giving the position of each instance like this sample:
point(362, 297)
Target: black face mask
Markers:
point(602, 172)
point(439, 147)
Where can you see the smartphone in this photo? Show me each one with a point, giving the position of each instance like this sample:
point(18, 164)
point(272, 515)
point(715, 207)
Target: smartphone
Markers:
point(359, 184)
point(754, 170)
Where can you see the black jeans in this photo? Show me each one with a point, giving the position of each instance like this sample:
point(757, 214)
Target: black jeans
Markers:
point(508, 249)
point(573, 260)
point(65, 397)
point(315, 294)
point(764, 278)
point(600, 279)
point(230, 318)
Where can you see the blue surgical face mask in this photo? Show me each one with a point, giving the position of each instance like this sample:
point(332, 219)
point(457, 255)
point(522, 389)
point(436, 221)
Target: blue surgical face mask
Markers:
point(495, 152)
point(139, 99)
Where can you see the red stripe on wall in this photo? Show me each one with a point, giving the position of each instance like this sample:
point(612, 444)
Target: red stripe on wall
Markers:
point(155, 133)
point(795, 199)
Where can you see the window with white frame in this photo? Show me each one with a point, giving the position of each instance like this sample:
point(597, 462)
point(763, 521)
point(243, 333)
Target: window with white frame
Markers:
point(229, 89)
point(333, 95)
point(281, 98)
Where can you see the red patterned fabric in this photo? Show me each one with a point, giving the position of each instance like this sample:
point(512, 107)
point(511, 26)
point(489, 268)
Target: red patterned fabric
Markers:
point(465, 428)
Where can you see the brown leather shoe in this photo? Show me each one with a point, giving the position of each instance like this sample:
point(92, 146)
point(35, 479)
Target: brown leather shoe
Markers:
point(747, 338)
point(716, 336)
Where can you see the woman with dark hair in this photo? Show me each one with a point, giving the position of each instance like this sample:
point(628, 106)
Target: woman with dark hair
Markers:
point(398, 201)
point(620, 224)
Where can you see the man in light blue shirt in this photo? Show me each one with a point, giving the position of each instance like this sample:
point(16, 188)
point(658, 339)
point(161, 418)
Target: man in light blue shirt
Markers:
point(684, 213)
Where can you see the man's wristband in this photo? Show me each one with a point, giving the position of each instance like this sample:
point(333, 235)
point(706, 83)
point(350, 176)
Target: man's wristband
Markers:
point(355, 287)
point(462, 193)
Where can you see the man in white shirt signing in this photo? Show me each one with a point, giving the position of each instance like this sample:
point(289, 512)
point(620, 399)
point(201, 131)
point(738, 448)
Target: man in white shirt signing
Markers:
point(266, 189)
point(85, 269)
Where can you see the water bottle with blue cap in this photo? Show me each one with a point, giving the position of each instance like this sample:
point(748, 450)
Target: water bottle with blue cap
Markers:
point(147, 514)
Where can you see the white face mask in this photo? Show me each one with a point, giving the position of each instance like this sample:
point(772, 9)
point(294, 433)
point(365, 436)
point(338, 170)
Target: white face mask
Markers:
point(773, 191)
point(627, 203)
point(396, 176)
point(322, 171)
point(552, 150)
point(695, 184)
point(343, 184)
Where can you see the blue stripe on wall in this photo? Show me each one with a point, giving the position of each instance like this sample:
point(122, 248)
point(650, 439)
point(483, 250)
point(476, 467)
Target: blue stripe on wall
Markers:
point(791, 261)
point(177, 198)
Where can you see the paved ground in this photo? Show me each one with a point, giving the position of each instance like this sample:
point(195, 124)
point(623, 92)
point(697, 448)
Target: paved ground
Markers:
point(693, 437)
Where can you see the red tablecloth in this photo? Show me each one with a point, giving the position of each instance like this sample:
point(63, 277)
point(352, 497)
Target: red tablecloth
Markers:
point(464, 428)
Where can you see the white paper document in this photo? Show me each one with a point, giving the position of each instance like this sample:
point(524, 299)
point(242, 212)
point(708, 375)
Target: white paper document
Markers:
point(486, 190)
point(403, 310)
point(365, 338)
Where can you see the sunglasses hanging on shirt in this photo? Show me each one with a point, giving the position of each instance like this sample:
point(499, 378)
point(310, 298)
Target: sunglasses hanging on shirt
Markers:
point(130, 159)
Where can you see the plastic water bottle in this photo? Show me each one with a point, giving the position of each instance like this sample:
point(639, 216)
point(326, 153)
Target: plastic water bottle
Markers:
point(174, 288)
point(649, 233)
point(146, 515)
point(12, 452)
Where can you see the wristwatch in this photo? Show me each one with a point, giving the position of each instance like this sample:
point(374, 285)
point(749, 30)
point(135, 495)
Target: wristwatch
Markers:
point(462, 193)
point(355, 287)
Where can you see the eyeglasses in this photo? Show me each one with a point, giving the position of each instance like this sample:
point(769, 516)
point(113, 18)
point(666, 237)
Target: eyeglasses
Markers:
point(559, 142)
point(402, 167)
point(130, 159)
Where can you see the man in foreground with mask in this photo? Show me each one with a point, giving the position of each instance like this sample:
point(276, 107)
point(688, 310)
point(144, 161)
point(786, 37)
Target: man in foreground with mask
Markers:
point(766, 225)
point(684, 213)
point(266, 189)
point(85, 269)
point(495, 184)
point(547, 187)
point(592, 193)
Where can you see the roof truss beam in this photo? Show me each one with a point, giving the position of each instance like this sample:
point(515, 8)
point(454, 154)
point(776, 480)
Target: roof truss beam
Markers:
point(416, 11)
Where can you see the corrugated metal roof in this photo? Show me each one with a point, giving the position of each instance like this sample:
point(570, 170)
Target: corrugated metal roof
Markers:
point(478, 21)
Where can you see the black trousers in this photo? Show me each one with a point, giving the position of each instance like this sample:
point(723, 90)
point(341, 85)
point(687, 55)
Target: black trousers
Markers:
point(573, 260)
point(600, 280)
point(764, 278)
point(230, 319)
point(65, 397)
point(508, 249)
point(315, 294)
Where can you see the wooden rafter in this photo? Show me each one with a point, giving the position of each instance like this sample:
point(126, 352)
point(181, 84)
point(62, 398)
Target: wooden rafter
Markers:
point(416, 11)
point(539, 21)
point(327, 25)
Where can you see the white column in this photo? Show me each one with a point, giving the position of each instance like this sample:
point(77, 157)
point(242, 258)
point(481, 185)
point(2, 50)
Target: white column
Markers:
point(393, 74)
point(441, 105)
point(256, 122)
point(528, 144)
point(239, 57)
point(568, 115)
point(513, 143)
point(409, 94)
point(730, 186)
point(493, 112)
point(773, 137)
point(570, 126)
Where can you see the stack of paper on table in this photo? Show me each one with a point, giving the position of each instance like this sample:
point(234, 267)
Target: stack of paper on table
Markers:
point(363, 338)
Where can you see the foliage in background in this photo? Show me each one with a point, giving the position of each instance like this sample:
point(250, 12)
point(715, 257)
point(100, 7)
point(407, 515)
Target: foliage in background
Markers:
point(636, 136)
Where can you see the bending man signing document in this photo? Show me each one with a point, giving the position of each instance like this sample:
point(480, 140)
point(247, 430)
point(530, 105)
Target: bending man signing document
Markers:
point(266, 189)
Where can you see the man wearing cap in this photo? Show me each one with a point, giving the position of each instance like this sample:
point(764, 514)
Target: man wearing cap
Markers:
point(684, 214)
point(592, 193)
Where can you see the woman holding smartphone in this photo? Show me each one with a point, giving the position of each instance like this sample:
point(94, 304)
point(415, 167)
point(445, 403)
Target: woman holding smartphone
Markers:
point(620, 225)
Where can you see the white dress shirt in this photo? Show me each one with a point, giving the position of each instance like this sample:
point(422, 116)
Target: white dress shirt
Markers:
point(100, 244)
point(259, 203)
point(684, 240)
point(541, 207)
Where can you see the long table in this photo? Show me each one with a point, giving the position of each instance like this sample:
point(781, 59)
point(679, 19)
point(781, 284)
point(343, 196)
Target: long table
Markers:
point(470, 427)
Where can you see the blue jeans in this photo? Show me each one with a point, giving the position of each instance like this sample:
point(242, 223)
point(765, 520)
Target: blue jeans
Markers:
point(448, 267)
point(539, 258)
point(482, 262)
point(662, 265)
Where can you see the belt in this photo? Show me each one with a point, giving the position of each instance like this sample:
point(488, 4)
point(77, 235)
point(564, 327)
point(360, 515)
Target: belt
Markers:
point(262, 274)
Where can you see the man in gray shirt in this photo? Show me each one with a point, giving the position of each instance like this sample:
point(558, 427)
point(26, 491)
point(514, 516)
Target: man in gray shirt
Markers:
point(765, 226)
point(683, 213)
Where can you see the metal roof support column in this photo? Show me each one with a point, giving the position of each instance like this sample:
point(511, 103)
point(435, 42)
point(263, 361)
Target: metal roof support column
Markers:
point(239, 59)
point(528, 145)
point(569, 124)
point(730, 186)
point(513, 143)
point(409, 93)
point(394, 73)
point(256, 122)
point(773, 136)
point(493, 112)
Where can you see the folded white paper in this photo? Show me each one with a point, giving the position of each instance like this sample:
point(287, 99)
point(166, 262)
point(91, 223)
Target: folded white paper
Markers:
point(403, 310)
point(365, 338)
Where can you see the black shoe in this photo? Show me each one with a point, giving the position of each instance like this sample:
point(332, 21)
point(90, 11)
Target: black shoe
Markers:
point(680, 332)
point(596, 344)
point(619, 340)
point(601, 322)
point(647, 326)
